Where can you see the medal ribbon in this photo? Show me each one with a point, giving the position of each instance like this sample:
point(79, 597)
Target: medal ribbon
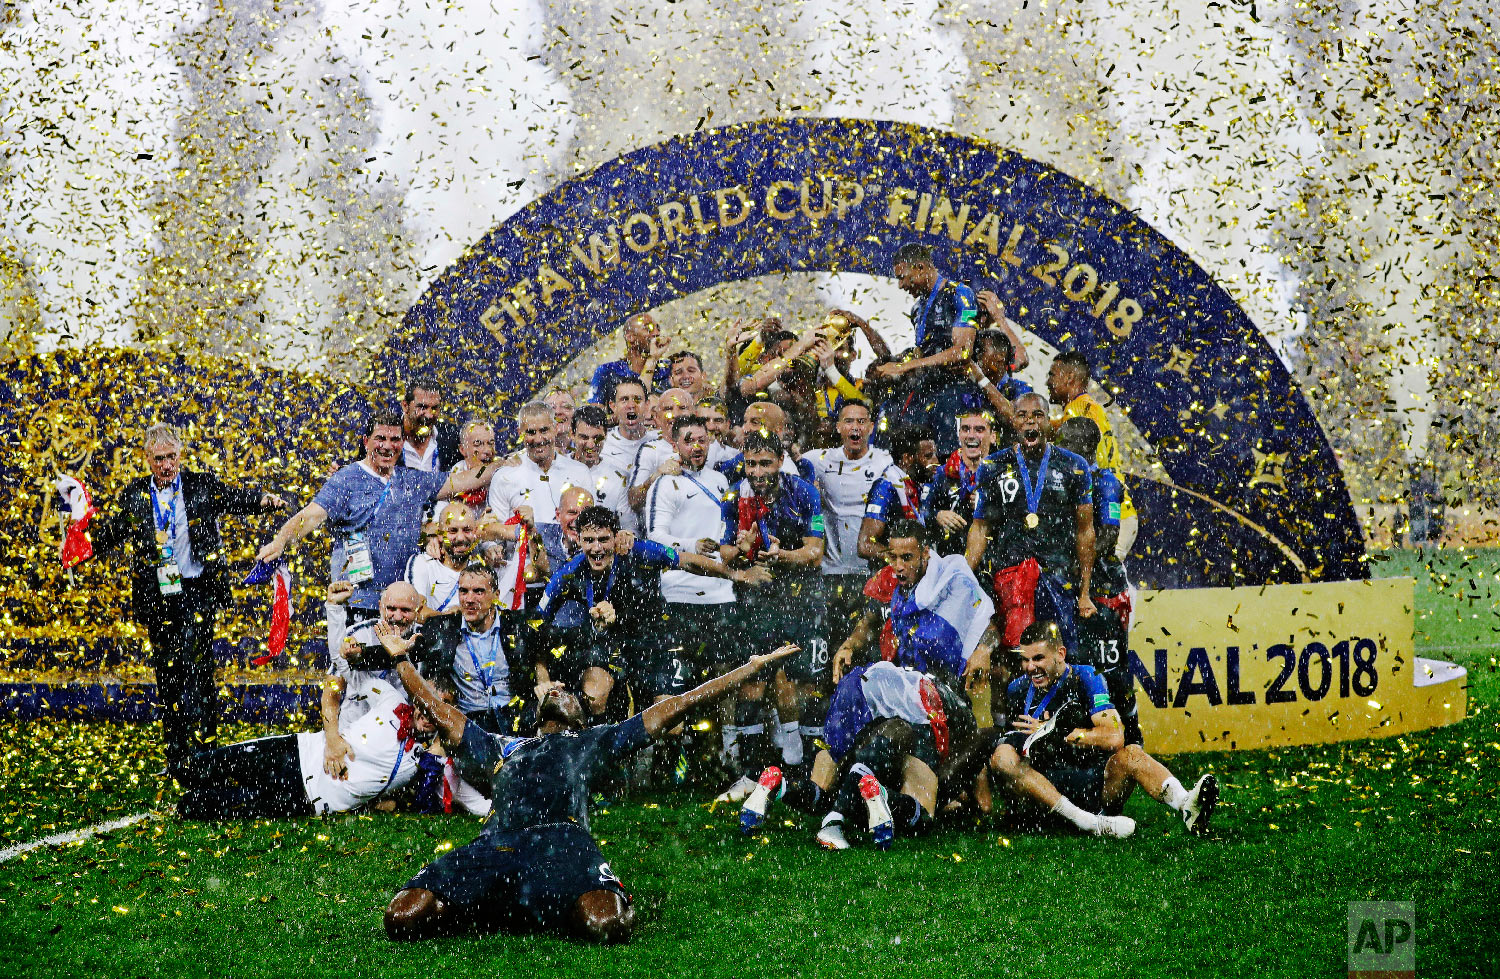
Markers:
point(1033, 492)
point(1042, 707)
point(609, 583)
point(166, 520)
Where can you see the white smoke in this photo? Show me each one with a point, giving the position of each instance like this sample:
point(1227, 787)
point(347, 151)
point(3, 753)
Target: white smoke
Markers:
point(469, 117)
point(89, 92)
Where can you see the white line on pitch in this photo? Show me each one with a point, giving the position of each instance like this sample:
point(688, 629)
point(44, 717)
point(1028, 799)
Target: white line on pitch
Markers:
point(73, 836)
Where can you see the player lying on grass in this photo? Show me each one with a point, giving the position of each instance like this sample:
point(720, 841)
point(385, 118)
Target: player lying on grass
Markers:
point(887, 725)
point(534, 865)
point(283, 776)
point(1067, 754)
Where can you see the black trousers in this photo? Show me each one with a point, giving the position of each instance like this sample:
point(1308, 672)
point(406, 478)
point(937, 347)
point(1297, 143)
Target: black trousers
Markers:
point(181, 629)
point(259, 779)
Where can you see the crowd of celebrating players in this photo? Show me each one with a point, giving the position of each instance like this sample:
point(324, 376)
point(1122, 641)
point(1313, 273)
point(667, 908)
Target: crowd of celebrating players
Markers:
point(875, 600)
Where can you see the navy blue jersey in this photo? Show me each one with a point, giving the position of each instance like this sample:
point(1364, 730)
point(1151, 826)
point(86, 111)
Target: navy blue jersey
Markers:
point(951, 305)
point(889, 501)
point(546, 779)
point(1065, 486)
point(632, 584)
point(1075, 697)
point(792, 518)
point(1109, 571)
point(955, 487)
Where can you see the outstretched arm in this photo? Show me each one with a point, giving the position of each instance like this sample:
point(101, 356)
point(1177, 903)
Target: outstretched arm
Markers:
point(302, 523)
point(664, 715)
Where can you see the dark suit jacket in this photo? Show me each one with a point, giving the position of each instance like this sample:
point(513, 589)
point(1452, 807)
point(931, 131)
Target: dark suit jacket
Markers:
point(448, 455)
point(206, 498)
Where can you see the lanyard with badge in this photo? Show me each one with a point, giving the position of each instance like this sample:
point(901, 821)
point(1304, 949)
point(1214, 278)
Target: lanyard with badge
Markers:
point(485, 669)
point(357, 561)
point(168, 573)
point(710, 494)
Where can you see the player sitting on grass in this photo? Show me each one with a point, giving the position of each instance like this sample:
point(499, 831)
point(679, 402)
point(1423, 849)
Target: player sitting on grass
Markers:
point(534, 866)
point(1067, 753)
point(887, 725)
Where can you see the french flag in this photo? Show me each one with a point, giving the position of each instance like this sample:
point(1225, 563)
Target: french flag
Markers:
point(280, 575)
point(76, 547)
point(941, 621)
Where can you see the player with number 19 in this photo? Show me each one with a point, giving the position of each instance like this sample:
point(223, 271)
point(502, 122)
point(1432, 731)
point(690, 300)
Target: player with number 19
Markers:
point(1034, 524)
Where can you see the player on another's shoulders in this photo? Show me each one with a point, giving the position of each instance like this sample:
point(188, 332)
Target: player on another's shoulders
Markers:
point(1065, 754)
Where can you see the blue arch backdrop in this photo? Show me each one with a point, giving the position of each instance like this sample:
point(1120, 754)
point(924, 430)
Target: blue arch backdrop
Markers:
point(1256, 493)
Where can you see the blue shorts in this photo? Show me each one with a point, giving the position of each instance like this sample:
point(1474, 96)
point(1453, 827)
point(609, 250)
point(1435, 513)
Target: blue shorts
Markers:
point(529, 880)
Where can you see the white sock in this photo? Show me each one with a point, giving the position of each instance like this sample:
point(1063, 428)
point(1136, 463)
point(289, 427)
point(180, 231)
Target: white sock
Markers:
point(834, 816)
point(791, 743)
point(1086, 821)
point(1173, 794)
point(731, 738)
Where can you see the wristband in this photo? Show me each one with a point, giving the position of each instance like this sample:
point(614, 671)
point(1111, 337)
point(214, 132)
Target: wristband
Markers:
point(985, 382)
point(399, 659)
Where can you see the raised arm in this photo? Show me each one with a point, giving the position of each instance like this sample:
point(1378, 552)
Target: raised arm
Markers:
point(448, 719)
point(664, 715)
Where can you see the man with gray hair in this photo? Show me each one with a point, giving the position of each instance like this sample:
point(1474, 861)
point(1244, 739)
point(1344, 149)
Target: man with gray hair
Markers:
point(524, 500)
point(179, 580)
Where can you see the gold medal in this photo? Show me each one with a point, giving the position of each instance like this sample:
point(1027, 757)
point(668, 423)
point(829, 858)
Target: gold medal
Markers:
point(1032, 520)
point(161, 536)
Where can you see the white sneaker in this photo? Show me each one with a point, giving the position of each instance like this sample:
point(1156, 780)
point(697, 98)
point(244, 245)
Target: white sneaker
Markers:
point(831, 837)
point(737, 792)
point(1118, 827)
point(1200, 805)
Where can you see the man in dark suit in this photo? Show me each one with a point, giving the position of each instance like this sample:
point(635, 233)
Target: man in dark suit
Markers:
point(178, 581)
point(430, 445)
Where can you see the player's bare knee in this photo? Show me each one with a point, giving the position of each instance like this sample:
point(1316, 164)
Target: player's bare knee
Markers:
point(605, 917)
point(1131, 757)
point(1005, 761)
point(411, 914)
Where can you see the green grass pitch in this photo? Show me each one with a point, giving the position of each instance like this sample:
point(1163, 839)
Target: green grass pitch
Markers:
point(1301, 833)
